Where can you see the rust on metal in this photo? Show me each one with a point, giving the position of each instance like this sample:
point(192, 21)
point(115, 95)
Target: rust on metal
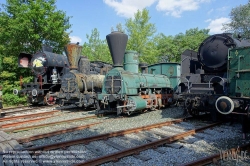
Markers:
point(50, 134)
point(23, 122)
point(103, 136)
point(28, 115)
point(131, 151)
point(73, 52)
point(8, 108)
point(48, 124)
point(40, 81)
point(20, 109)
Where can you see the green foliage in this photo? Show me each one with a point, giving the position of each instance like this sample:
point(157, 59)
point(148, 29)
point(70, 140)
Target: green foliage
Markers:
point(240, 21)
point(96, 49)
point(141, 33)
point(8, 86)
point(142, 39)
point(10, 99)
point(119, 28)
point(28, 24)
point(174, 46)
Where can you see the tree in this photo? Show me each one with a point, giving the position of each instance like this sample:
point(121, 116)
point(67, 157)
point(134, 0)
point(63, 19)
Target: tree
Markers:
point(96, 49)
point(166, 47)
point(174, 46)
point(27, 25)
point(240, 21)
point(119, 28)
point(141, 34)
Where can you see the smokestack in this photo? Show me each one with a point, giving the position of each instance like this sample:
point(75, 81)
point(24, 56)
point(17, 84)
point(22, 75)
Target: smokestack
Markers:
point(73, 52)
point(117, 42)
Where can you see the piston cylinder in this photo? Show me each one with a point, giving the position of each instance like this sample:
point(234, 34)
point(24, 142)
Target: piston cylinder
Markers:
point(136, 103)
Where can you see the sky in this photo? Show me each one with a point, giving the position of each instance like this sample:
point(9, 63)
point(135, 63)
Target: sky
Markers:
point(169, 16)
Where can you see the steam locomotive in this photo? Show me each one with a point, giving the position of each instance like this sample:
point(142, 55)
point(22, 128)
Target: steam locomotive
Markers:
point(204, 74)
point(47, 68)
point(216, 79)
point(80, 85)
point(125, 90)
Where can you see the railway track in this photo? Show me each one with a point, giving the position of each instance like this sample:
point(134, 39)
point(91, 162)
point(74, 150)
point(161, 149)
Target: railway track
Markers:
point(102, 148)
point(63, 131)
point(14, 121)
point(16, 107)
point(21, 109)
point(101, 137)
point(121, 151)
point(48, 124)
point(50, 134)
point(4, 119)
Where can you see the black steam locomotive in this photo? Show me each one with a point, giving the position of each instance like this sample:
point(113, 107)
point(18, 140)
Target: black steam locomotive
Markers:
point(204, 74)
point(47, 68)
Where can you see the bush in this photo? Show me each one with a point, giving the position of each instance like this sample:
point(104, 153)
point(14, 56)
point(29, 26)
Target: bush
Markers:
point(11, 99)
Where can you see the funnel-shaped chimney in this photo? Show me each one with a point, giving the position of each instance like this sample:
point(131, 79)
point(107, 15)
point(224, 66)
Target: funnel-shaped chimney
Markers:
point(117, 42)
point(73, 52)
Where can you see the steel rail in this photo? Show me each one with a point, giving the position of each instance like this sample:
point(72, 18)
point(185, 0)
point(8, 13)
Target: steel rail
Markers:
point(28, 115)
point(215, 157)
point(17, 107)
point(138, 149)
point(50, 134)
point(102, 136)
point(23, 122)
point(48, 124)
point(4, 113)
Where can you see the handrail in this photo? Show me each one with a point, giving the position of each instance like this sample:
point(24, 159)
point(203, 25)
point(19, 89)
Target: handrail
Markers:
point(217, 77)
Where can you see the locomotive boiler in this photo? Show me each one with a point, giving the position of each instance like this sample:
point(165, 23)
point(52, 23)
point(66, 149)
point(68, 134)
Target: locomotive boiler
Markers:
point(79, 87)
point(127, 91)
point(47, 68)
point(204, 74)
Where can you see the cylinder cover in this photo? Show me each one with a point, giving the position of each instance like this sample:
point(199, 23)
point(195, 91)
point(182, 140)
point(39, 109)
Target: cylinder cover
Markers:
point(224, 105)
